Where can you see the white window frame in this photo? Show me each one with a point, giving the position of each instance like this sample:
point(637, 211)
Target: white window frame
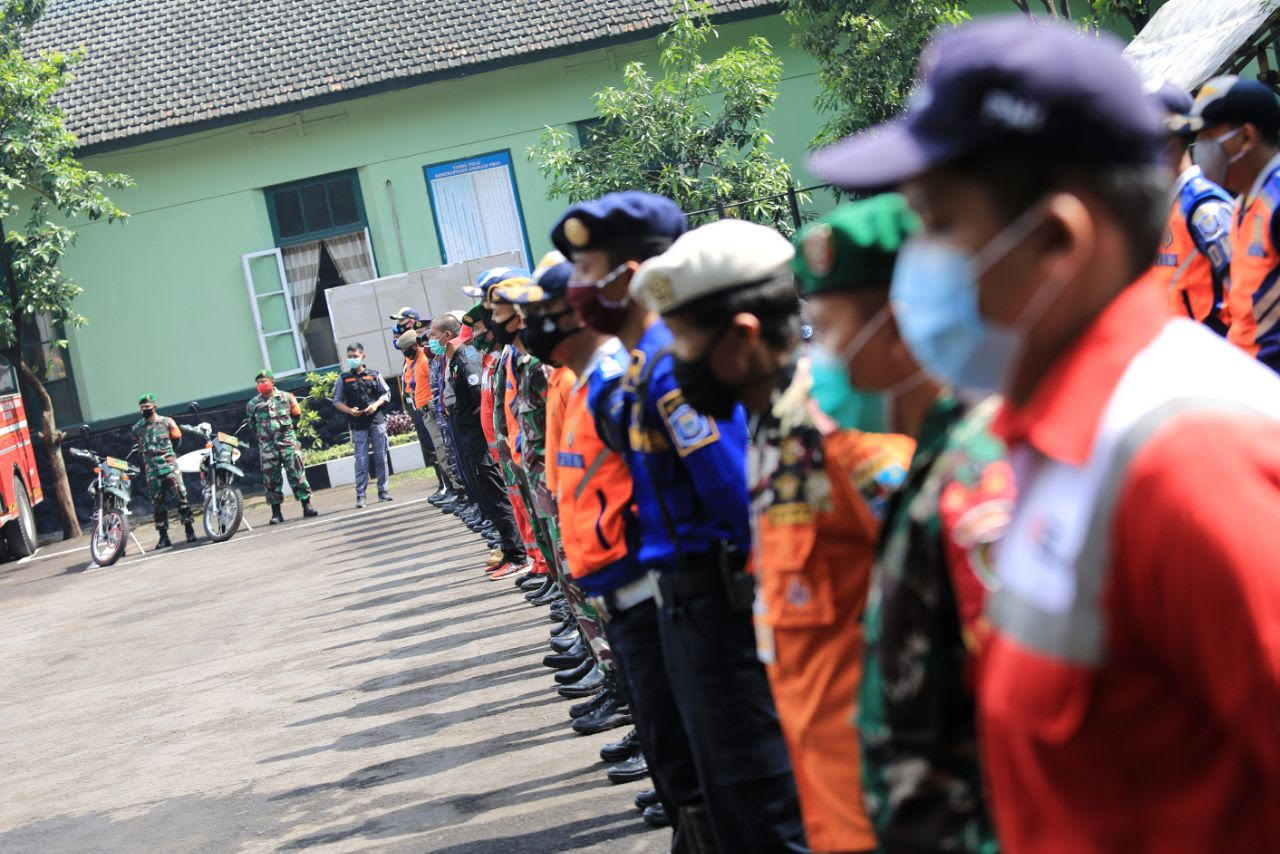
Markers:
point(254, 297)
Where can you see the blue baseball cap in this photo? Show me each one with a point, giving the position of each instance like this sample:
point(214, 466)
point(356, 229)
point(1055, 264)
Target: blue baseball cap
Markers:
point(491, 277)
point(547, 284)
point(1174, 104)
point(1006, 81)
point(628, 219)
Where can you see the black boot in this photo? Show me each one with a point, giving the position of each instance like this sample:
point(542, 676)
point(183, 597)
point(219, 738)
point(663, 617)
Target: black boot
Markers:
point(609, 714)
point(191, 531)
point(276, 516)
point(163, 542)
point(568, 677)
point(309, 511)
point(656, 816)
point(647, 798)
point(617, 751)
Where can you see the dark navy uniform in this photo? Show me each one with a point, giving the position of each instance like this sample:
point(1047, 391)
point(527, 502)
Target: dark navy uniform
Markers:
point(691, 494)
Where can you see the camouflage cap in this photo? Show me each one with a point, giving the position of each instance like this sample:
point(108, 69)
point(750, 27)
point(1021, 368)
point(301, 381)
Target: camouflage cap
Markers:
point(854, 246)
point(264, 374)
point(147, 398)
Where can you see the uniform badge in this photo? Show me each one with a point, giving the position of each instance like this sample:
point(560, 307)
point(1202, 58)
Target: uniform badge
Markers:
point(819, 250)
point(576, 232)
point(473, 379)
point(690, 429)
point(660, 291)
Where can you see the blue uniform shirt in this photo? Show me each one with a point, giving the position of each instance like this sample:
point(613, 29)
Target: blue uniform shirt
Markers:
point(694, 465)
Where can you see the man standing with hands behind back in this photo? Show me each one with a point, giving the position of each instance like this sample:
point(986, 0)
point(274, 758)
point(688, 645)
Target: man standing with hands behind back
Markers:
point(360, 394)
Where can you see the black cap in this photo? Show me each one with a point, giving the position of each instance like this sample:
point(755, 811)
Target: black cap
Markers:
point(1234, 100)
point(1006, 81)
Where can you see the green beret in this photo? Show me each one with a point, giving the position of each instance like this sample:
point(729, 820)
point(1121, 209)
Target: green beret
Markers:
point(854, 246)
point(264, 374)
point(474, 315)
point(146, 398)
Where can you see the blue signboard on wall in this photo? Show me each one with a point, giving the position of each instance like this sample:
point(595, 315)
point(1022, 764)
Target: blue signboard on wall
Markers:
point(477, 207)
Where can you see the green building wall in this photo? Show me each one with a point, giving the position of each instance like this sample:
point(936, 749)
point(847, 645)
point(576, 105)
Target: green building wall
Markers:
point(165, 294)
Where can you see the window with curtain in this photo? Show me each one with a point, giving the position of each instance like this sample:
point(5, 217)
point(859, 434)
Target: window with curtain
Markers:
point(320, 229)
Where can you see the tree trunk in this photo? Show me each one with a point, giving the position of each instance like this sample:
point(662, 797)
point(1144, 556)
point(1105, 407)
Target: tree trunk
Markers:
point(52, 440)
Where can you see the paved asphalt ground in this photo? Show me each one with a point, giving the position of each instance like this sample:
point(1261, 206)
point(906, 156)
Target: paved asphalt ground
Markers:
point(351, 683)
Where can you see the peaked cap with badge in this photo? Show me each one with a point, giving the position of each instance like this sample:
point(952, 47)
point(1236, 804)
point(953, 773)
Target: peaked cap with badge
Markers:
point(720, 256)
point(630, 218)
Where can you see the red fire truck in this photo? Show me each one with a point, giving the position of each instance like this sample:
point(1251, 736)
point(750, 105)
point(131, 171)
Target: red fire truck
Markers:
point(19, 483)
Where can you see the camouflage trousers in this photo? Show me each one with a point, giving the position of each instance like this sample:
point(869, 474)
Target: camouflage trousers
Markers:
point(158, 488)
point(546, 530)
point(279, 462)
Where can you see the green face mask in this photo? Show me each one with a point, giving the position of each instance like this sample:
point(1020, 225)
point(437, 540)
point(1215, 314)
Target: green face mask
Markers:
point(851, 408)
point(436, 346)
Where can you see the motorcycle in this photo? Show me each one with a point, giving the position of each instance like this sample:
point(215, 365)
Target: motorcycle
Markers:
point(216, 465)
point(111, 490)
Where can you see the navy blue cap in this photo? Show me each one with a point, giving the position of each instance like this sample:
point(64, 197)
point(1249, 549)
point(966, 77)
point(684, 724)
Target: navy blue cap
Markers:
point(1006, 81)
point(547, 284)
point(1234, 100)
point(1174, 104)
point(628, 219)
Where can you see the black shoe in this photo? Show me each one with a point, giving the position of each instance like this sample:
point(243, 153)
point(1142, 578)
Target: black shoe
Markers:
point(565, 642)
point(276, 516)
point(568, 677)
point(624, 748)
point(163, 542)
point(558, 615)
point(529, 581)
point(584, 687)
point(548, 598)
point(439, 497)
point(628, 771)
point(586, 707)
point(570, 658)
point(542, 589)
point(647, 798)
point(560, 628)
point(385, 496)
point(308, 511)
point(611, 713)
point(191, 532)
point(656, 816)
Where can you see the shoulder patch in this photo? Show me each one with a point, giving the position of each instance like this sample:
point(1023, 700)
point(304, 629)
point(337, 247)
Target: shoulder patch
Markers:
point(473, 379)
point(690, 429)
point(1212, 219)
point(611, 368)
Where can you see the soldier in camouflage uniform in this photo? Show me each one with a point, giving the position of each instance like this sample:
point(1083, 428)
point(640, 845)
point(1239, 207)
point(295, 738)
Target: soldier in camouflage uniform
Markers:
point(155, 435)
point(923, 625)
point(272, 415)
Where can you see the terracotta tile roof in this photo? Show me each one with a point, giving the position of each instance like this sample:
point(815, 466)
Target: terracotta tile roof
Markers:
point(154, 66)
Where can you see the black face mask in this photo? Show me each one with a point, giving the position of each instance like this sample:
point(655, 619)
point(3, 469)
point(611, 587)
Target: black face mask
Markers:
point(148, 413)
point(542, 334)
point(704, 392)
point(410, 352)
point(501, 335)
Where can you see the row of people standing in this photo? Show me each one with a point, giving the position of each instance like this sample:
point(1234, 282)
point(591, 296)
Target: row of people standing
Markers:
point(958, 574)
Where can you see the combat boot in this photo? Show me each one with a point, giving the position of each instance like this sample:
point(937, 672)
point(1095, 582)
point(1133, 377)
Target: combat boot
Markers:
point(163, 542)
point(609, 714)
point(308, 511)
point(629, 770)
point(277, 517)
point(191, 532)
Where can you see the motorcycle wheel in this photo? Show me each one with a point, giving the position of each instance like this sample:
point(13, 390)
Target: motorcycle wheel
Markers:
point(222, 526)
point(107, 541)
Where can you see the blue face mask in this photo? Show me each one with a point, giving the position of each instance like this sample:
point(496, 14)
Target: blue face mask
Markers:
point(935, 300)
point(354, 363)
point(436, 346)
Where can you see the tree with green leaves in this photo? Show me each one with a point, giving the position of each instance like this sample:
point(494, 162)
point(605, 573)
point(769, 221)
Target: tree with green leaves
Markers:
point(695, 135)
point(867, 52)
point(41, 178)
point(1094, 12)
